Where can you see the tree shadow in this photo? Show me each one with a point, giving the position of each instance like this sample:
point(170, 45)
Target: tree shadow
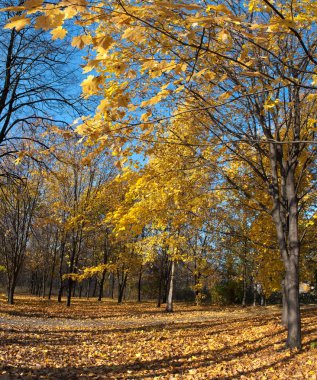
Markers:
point(153, 368)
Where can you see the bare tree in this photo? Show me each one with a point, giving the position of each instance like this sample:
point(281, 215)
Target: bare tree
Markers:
point(19, 199)
point(37, 77)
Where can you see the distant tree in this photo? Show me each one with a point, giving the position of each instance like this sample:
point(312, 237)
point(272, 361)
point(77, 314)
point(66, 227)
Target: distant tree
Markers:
point(19, 199)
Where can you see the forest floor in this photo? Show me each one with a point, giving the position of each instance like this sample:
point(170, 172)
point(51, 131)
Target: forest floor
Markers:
point(41, 339)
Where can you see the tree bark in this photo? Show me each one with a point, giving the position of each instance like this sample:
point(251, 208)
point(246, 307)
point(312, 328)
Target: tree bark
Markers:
point(284, 305)
point(11, 289)
point(101, 284)
point(95, 288)
point(169, 304)
point(69, 292)
point(121, 285)
point(288, 237)
point(244, 297)
point(159, 295)
point(88, 288)
point(112, 285)
point(60, 293)
point(52, 273)
point(254, 294)
point(60, 272)
point(139, 284)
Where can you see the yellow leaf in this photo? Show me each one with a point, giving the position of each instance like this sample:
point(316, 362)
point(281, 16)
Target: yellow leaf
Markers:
point(103, 43)
point(179, 6)
point(19, 158)
point(128, 33)
point(270, 103)
point(218, 8)
point(90, 85)
point(12, 9)
point(30, 4)
point(80, 41)
point(17, 22)
point(58, 33)
point(50, 21)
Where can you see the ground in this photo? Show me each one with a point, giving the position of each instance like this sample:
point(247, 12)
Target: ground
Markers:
point(41, 339)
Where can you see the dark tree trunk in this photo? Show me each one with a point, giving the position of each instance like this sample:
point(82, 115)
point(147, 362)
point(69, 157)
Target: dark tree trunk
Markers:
point(101, 284)
point(43, 284)
point(10, 296)
point(88, 288)
point(244, 297)
point(74, 289)
point(254, 294)
point(139, 284)
point(159, 295)
point(50, 287)
point(52, 273)
point(166, 278)
point(122, 281)
point(11, 289)
point(60, 293)
point(106, 251)
point(60, 271)
point(69, 292)
point(95, 288)
point(112, 285)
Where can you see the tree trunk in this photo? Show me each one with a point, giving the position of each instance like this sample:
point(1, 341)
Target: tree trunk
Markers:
point(284, 305)
point(60, 272)
point(293, 307)
point(69, 292)
point(285, 216)
point(60, 293)
point(51, 279)
point(10, 295)
point(43, 284)
point(122, 285)
point(95, 288)
point(74, 289)
point(139, 284)
point(50, 287)
point(254, 294)
point(88, 288)
point(169, 305)
point(166, 278)
point(197, 276)
point(112, 285)
point(244, 297)
point(159, 295)
point(101, 284)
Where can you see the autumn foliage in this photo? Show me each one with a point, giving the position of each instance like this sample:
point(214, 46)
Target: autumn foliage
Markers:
point(158, 151)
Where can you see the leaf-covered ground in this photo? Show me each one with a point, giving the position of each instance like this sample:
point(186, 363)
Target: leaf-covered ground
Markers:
point(91, 340)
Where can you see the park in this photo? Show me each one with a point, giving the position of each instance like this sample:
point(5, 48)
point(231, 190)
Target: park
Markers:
point(158, 203)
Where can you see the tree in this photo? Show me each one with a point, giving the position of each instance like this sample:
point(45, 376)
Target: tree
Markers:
point(19, 200)
point(203, 59)
point(36, 77)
